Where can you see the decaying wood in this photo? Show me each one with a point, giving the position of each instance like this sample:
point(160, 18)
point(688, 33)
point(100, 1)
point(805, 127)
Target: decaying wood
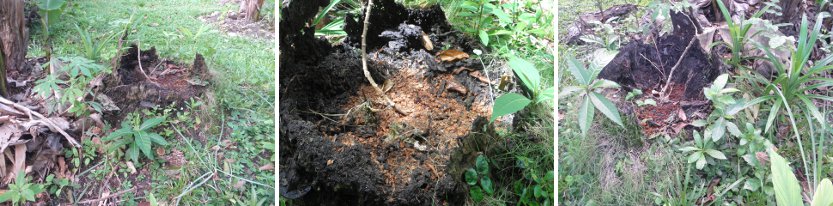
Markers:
point(252, 9)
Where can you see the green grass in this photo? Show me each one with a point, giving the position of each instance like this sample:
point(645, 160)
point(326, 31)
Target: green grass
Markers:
point(240, 111)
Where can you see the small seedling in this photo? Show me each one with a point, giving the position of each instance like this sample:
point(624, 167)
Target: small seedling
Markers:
point(21, 191)
point(480, 173)
point(588, 89)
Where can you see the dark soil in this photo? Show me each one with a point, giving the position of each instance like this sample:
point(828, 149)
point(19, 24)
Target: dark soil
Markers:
point(153, 82)
point(645, 66)
point(341, 146)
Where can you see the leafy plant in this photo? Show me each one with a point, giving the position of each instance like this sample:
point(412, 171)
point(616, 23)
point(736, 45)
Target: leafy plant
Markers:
point(513, 102)
point(92, 48)
point(738, 32)
point(605, 35)
point(137, 135)
point(335, 27)
point(592, 99)
point(534, 189)
point(21, 191)
point(787, 189)
point(790, 90)
point(479, 174)
point(56, 186)
point(80, 71)
point(701, 151)
point(725, 108)
point(49, 11)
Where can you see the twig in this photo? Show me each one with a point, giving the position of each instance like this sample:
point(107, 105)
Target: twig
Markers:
point(43, 119)
point(139, 58)
point(680, 60)
point(108, 196)
point(364, 61)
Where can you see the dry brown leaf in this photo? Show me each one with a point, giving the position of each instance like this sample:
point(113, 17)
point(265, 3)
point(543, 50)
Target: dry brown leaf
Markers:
point(62, 168)
point(10, 135)
point(452, 55)
point(329, 162)
point(267, 167)
point(457, 87)
point(681, 114)
point(479, 76)
point(19, 158)
point(426, 42)
point(131, 167)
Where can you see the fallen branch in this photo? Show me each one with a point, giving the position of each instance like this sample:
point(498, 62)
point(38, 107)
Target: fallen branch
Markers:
point(43, 119)
point(107, 197)
point(364, 61)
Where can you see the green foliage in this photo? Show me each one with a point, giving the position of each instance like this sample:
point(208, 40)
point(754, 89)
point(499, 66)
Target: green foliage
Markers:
point(50, 11)
point(701, 151)
point(512, 102)
point(588, 91)
point(725, 108)
point(80, 71)
point(534, 189)
point(335, 28)
point(137, 135)
point(480, 173)
point(738, 32)
point(502, 25)
point(56, 185)
point(21, 191)
point(92, 47)
point(605, 35)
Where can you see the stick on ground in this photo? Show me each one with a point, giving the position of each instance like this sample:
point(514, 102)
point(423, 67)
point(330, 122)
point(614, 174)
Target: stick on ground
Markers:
point(364, 61)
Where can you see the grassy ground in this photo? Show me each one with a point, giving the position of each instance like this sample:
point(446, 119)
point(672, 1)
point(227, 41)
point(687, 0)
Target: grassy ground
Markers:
point(230, 138)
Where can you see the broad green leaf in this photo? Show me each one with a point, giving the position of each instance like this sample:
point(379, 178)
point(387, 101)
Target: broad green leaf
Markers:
point(721, 81)
point(813, 109)
point(50, 4)
point(133, 152)
point(484, 37)
point(824, 193)
point(698, 123)
point(118, 133)
point(733, 129)
point(150, 123)
point(578, 70)
point(772, 114)
point(143, 143)
point(526, 72)
point(482, 165)
point(567, 91)
point(585, 115)
point(538, 191)
point(604, 83)
point(701, 163)
point(716, 154)
point(471, 176)
point(158, 139)
point(476, 193)
point(507, 104)
point(546, 95)
point(688, 149)
point(695, 156)
point(486, 183)
point(606, 107)
point(718, 129)
point(787, 191)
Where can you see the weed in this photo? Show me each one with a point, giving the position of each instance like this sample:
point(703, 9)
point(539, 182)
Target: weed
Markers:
point(21, 191)
point(480, 173)
point(700, 150)
point(512, 102)
point(137, 136)
point(587, 90)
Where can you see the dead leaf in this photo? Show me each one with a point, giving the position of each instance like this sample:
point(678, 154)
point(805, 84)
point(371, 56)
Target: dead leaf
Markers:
point(426, 42)
point(681, 114)
point(239, 185)
point(479, 76)
point(457, 87)
point(267, 167)
point(452, 55)
point(461, 69)
point(10, 135)
point(62, 167)
point(131, 167)
point(19, 159)
point(679, 127)
point(329, 162)
point(762, 157)
point(160, 151)
point(505, 82)
point(107, 104)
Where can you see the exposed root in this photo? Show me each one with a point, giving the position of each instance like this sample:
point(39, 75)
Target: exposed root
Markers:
point(389, 102)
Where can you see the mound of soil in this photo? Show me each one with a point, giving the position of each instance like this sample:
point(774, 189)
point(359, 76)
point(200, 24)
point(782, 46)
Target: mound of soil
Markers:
point(151, 82)
point(341, 146)
point(646, 66)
